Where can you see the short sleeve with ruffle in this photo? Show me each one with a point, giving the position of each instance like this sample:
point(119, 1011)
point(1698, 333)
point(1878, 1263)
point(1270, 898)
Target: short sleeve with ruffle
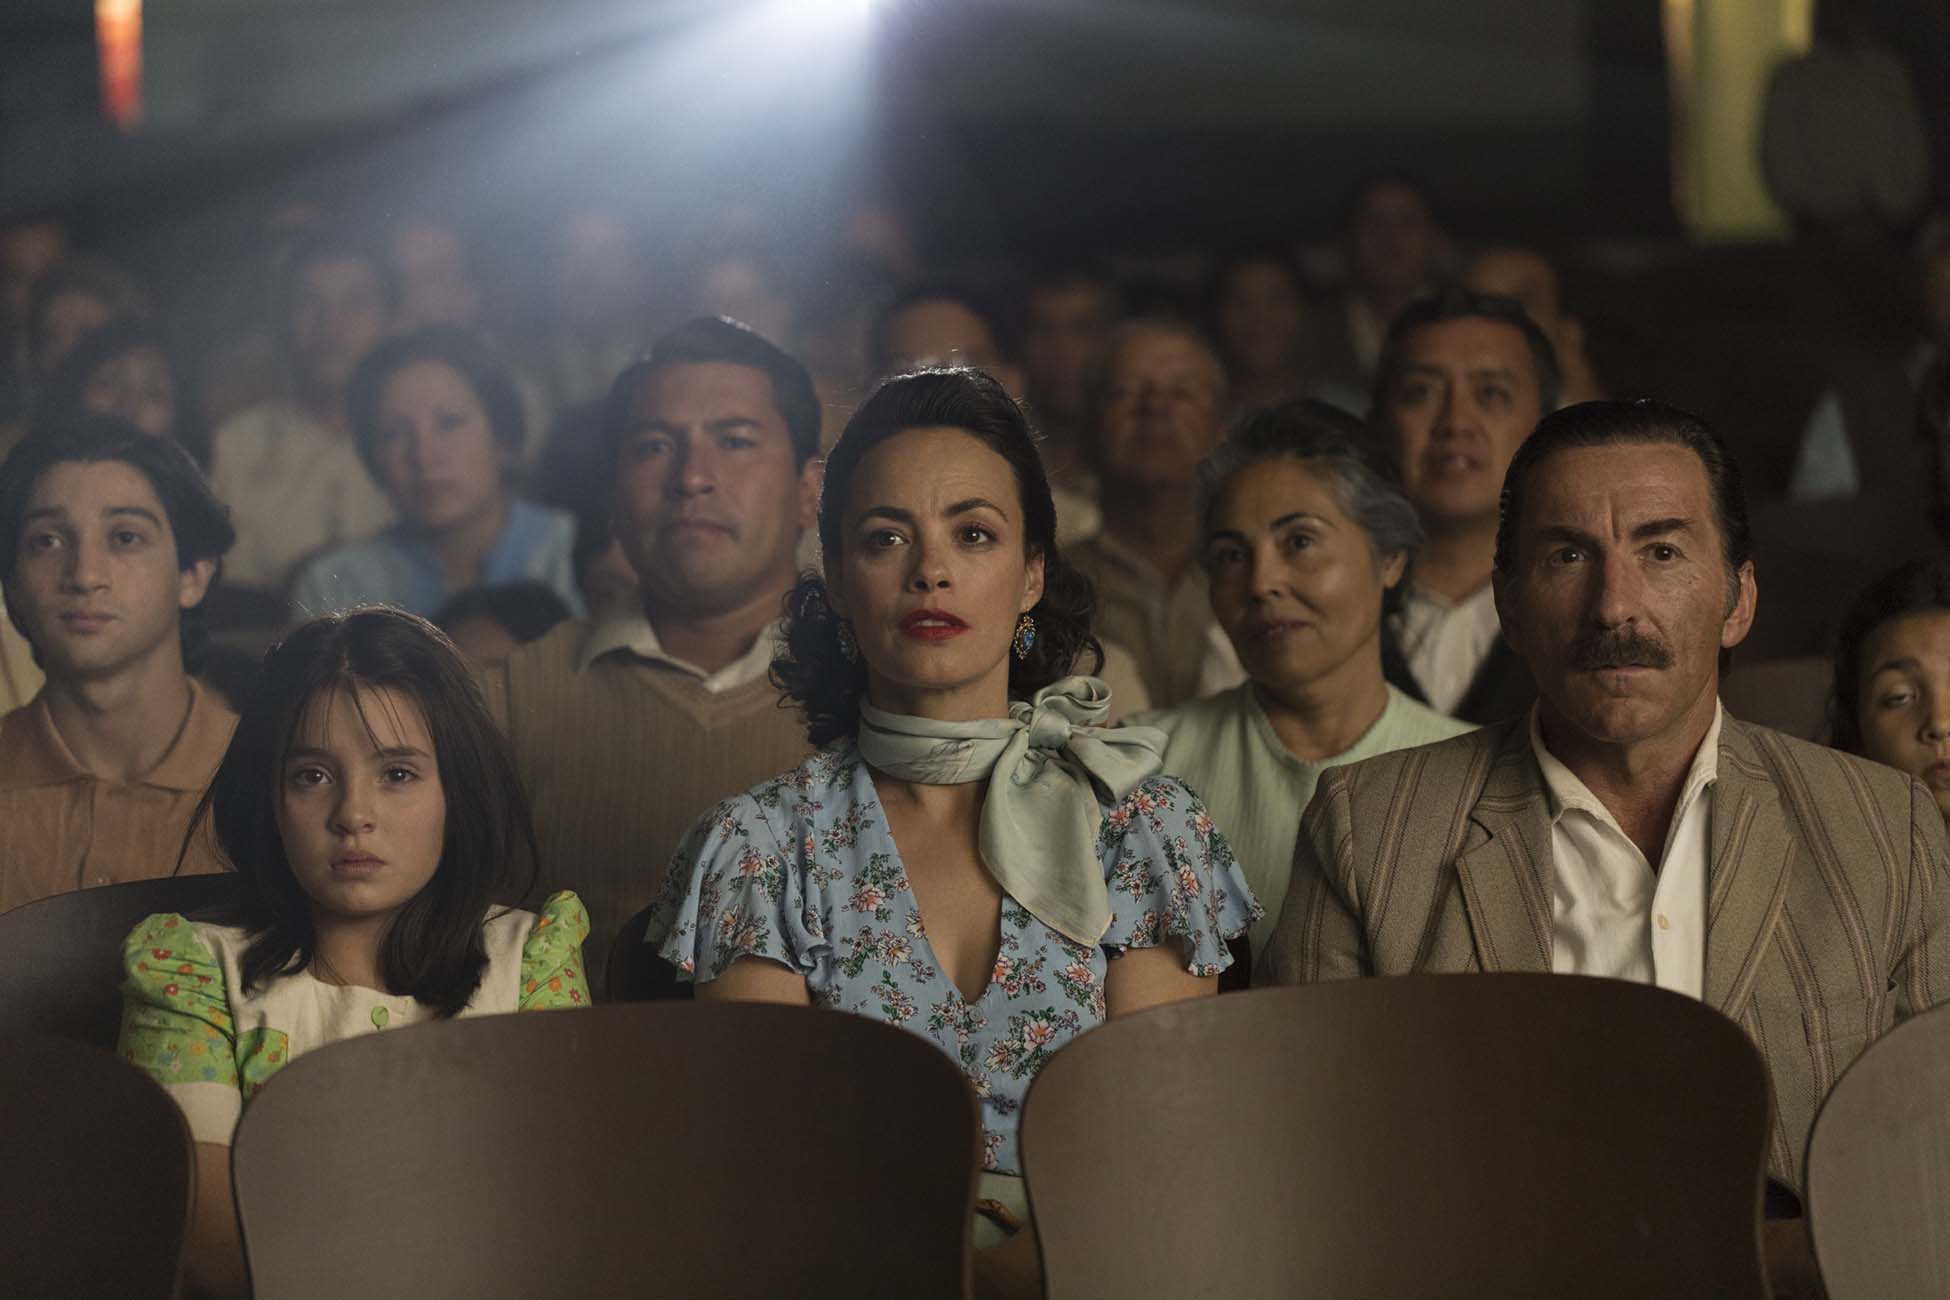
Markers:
point(734, 891)
point(552, 974)
point(1172, 877)
point(177, 1026)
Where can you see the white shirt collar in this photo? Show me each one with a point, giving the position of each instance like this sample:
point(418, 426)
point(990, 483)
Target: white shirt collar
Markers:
point(629, 631)
point(1568, 793)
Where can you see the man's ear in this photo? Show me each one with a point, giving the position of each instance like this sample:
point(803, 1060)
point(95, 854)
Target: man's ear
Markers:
point(1740, 616)
point(194, 583)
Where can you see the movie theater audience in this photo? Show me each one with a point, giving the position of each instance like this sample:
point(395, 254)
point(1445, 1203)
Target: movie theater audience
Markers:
point(373, 814)
point(963, 780)
point(1419, 667)
point(1307, 535)
point(109, 539)
point(438, 421)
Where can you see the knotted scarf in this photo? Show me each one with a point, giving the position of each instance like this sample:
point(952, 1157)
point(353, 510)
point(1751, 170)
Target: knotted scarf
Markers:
point(1044, 765)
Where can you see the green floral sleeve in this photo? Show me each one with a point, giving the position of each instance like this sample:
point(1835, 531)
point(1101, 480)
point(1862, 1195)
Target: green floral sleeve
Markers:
point(176, 1024)
point(551, 961)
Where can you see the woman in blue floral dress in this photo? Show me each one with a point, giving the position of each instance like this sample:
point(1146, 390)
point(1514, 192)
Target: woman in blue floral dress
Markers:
point(970, 854)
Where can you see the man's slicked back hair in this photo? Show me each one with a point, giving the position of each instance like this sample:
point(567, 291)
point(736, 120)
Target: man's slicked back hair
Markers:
point(1608, 424)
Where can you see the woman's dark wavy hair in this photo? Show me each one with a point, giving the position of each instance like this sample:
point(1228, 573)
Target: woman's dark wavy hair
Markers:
point(1917, 587)
point(63, 397)
point(811, 671)
point(433, 950)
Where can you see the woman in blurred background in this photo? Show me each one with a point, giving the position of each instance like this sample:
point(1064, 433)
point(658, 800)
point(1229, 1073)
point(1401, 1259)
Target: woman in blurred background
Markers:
point(976, 841)
point(1306, 534)
point(1891, 695)
point(439, 424)
point(127, 368)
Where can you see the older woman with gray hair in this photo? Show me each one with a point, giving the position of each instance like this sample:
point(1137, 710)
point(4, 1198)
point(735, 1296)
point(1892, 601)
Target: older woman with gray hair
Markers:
point(1306, 537)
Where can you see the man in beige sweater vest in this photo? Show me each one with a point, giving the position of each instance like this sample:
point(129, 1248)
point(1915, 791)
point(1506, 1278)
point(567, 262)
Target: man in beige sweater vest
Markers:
point(628, 729)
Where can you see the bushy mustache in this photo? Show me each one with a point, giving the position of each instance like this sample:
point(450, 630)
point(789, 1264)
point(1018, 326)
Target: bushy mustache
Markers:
point(1619, 648)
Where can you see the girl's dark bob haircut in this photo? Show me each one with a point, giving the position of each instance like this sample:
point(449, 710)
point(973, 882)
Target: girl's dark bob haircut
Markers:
point(811, 669)
point(433, 949)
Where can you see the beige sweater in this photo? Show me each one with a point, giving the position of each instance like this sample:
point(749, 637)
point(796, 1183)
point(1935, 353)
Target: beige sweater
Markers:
point(620, 759)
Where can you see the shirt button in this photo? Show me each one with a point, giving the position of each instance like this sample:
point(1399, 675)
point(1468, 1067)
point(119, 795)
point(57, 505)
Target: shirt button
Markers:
point(379, 1017)
point(1663, 923)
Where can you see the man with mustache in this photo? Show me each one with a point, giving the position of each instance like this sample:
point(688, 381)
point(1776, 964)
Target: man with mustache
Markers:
point(1463, 378)
point(628, 728)
point(1588, 836)
point(109, 539)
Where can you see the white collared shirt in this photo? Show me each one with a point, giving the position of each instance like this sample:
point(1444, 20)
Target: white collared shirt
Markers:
point(630, 632)
point(1611, 914)
point(1446, 641)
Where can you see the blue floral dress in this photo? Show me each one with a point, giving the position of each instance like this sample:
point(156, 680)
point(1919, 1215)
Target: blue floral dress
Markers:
point(802, 870)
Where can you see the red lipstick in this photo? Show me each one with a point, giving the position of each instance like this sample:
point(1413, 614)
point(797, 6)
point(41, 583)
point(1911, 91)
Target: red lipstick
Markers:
point(932, 625)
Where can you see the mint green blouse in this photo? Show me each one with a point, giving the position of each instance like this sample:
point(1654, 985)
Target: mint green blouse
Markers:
point(1224, 747)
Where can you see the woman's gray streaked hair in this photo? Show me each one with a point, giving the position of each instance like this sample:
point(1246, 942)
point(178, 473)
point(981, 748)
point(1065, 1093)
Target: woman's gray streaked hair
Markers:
point(1327, 438)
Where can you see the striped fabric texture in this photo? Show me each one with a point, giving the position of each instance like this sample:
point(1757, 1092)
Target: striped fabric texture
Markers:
point(1828, 902)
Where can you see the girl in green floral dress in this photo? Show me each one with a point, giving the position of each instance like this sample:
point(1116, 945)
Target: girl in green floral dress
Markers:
point(371, 808)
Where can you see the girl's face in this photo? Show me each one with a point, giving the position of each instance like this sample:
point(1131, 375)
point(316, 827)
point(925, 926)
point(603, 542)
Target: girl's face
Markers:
point(933, 572)
point(360, 806)
point(436, 453)
point(137, 387)
point(1904, 702)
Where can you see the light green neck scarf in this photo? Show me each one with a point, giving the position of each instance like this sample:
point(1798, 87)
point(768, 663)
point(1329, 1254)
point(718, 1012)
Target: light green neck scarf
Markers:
point(1044, 764)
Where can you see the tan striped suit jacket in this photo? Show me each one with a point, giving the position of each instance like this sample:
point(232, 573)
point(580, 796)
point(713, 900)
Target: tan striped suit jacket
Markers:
point(1827, 891)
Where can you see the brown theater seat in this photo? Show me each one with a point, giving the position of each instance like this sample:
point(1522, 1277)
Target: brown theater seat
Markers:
point(1450, 1135)
point(683, 1149)
point(1879, 1169)
point(64, 953)
point(95, 1196)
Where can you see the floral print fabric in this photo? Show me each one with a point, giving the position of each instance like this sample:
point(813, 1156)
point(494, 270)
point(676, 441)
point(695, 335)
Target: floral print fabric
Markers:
point(183, 1025)
point(802, 871)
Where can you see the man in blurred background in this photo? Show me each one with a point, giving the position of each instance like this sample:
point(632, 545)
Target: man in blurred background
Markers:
point(1161, 408)
point(1464, 378)
point(289, 469)
point(1393, 248)
point(1526, 275)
